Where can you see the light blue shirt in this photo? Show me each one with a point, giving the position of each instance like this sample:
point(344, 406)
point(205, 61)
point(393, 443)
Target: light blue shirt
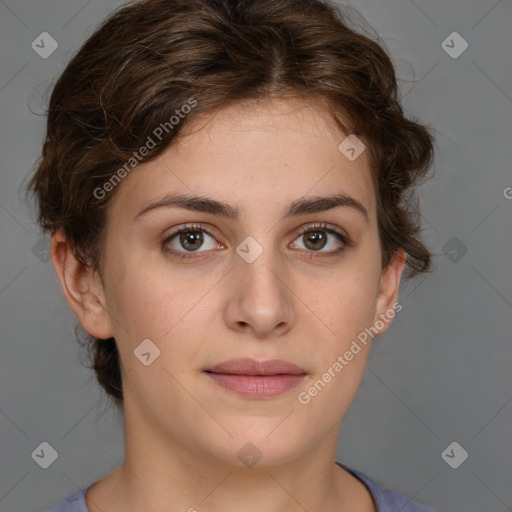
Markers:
point(386, 499)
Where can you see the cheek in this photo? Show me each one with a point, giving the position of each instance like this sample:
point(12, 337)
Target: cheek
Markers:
point(148, 308)
point(342, 312)
point(134, 307)
point(345, 303)
point(154, 303)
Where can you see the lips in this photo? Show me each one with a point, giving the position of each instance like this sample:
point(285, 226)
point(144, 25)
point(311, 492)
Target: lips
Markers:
point(253, 367)
point(257, 379)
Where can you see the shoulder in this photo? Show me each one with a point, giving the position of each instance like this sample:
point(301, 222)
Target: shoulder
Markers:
point(388, 500)
point(74, 503)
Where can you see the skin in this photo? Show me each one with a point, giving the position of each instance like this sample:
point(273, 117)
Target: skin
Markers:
point(182, 430)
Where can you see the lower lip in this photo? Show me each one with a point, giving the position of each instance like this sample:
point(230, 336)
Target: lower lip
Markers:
point(257, 386)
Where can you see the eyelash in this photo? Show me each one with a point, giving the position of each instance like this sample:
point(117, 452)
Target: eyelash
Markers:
point(312, 227)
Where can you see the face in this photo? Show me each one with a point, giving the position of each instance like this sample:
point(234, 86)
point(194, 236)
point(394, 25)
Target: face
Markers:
point(258, 280)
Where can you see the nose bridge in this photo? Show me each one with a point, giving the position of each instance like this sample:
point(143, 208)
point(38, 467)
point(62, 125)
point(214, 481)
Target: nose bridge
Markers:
point(260, 288)
point(260, 266)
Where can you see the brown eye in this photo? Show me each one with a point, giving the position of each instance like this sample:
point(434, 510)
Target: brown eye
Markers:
point(317, 237)
point(190, 239)
point(315, 240)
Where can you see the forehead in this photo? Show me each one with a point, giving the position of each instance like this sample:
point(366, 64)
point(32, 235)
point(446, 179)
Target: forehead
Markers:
point(253, 154)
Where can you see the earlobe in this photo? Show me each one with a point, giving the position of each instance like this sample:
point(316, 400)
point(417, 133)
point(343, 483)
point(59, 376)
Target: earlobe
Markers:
point(388, 292)
point(81, 287)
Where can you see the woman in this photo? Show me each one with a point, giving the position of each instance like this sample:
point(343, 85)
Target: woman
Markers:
point(226, 186)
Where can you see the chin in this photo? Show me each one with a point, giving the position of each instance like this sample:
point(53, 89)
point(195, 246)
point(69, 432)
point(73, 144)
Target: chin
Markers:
point(255, 448)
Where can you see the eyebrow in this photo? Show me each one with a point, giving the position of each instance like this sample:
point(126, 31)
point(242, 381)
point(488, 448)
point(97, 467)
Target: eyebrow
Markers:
point(314, 204)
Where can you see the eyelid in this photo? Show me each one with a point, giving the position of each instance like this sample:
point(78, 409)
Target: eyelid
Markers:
point(206, 228)
point(326, 227)
point(191, 226)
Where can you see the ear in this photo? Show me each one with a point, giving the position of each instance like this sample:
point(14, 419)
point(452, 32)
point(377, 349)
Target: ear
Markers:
point(81, 287)
point(387, 297)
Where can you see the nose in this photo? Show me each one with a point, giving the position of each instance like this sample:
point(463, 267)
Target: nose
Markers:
point(260, 297)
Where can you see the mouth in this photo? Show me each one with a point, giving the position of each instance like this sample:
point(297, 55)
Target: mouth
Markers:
point(257, 379)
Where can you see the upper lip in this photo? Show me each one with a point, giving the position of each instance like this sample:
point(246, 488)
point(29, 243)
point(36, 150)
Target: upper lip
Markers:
point(252, 367)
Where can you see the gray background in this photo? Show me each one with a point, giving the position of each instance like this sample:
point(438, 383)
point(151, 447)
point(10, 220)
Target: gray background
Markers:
point(440, 374)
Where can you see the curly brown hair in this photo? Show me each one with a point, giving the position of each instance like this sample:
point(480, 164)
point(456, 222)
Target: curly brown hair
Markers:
point(149, 58)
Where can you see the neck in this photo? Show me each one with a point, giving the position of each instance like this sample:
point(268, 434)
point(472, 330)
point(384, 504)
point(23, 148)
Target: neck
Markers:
point(158, 473)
